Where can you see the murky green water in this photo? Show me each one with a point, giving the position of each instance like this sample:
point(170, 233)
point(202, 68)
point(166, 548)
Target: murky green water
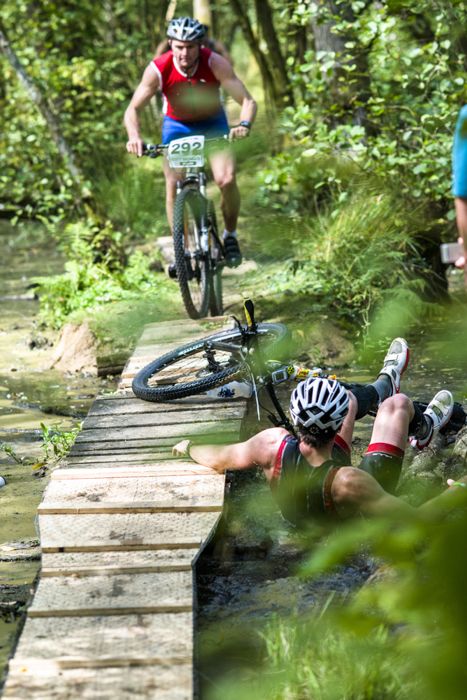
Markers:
point(30, 395)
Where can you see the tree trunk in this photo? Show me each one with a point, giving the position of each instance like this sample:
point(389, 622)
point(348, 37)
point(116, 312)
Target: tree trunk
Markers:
point(202, 12)
point(35, 95)
point(273, 97)
point(349, 90)
point(276, 60)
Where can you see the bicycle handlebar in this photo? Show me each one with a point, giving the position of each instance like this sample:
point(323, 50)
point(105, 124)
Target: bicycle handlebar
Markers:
point(154, 150)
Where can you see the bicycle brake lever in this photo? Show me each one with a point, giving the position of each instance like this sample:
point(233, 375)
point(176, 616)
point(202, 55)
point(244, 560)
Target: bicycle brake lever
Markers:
point(237, 323)
point(249, 310)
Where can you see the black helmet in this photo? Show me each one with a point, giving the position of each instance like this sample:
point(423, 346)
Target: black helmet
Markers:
point(186, 29)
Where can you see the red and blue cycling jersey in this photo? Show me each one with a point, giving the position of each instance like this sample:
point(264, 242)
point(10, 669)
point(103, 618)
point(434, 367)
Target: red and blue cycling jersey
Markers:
point(188, 98)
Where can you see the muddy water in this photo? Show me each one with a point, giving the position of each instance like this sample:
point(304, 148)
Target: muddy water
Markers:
point(247, 577)
point(30, 395)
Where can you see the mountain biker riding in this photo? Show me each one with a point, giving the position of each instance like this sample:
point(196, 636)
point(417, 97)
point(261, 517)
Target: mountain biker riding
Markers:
point(309, 475)
point(190, 77)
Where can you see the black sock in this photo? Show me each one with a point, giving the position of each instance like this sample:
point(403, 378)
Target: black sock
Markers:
point(420, 425)
point(383, 386)
point(367, 398)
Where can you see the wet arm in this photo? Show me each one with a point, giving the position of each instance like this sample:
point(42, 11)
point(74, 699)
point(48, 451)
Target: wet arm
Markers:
point(258, 451)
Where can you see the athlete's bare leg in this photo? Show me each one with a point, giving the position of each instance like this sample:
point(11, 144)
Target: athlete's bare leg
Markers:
point(223, 172)
point(171, 177)
point(392, 421)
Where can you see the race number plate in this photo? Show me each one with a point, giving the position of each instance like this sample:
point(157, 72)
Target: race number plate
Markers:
point(187, 152)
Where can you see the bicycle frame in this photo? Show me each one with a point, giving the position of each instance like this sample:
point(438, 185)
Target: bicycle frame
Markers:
point(193, 176)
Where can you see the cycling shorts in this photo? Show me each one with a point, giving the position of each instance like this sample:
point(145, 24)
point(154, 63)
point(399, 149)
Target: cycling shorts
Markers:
point(212, 127)
point(459, 156)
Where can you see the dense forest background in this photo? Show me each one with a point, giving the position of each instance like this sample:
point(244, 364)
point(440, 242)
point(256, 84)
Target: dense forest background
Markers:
point(346, 185)
point(358, 102)
point(378, 81)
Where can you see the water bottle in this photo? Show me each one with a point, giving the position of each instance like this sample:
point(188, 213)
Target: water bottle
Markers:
point(232, 390)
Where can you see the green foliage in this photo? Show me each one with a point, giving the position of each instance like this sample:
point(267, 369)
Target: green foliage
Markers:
point(133, 195)
point(87, 283)
point(352, 257)
point(392, 113)
point(86, 60)
point(400, 637)
point(9, 450)
point(56, 442)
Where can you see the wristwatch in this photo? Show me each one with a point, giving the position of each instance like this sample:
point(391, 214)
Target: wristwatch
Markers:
point(246, 124)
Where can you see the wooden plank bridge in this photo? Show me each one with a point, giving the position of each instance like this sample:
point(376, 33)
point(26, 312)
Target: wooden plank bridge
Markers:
point(121, 525)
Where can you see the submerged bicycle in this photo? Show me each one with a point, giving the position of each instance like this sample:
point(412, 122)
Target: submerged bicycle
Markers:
point(198, 249)
point(238, 362)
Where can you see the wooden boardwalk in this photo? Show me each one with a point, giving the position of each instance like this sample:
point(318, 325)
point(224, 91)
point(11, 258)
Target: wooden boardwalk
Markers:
point(121, 524)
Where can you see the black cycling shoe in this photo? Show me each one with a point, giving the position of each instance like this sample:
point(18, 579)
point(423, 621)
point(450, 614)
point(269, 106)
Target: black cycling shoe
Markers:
point(190, 273)
point(233, 256)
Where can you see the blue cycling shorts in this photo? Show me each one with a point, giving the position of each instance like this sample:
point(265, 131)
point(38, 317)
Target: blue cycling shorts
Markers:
point(459, 156)
point(214, 126)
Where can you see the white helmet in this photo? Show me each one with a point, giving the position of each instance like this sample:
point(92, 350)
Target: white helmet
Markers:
point(319, 401)
point(186, 29)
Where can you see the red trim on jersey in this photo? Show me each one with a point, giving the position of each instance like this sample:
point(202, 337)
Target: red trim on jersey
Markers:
point(278, 461)
point(386, 448)
point(189, 99)
point(340, 442)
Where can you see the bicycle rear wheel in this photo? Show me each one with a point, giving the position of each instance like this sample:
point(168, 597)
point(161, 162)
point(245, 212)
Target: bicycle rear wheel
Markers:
point(205, 363)
point(216, 306)
point(191, 263)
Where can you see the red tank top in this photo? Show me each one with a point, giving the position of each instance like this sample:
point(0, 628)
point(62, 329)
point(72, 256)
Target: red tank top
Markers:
point(188, 99)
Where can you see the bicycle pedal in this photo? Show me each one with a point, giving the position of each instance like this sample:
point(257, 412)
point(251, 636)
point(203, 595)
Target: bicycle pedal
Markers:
point(172, 271)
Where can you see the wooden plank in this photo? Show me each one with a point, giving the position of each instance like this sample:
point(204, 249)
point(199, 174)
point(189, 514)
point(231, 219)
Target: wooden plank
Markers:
point(180, 333)
point(142, 456)
point(138, 458)
point(99, 641)
point(93, 563)
point(104, 532)
point(58, 508)
point(43, 681)
point(160, 447)
point(121, 594)
point(114, 405)
point(151, 495)
point(177, 430)
point(176, 468)
point(162, 417)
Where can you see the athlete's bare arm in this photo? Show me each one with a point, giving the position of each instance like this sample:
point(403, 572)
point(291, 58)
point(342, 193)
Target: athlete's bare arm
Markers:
point(146, 89)
point(234, 87)
point(354, 491)
point(258, 451)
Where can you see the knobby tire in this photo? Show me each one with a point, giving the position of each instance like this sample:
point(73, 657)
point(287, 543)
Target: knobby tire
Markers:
point(188, 209)
point(172, 366)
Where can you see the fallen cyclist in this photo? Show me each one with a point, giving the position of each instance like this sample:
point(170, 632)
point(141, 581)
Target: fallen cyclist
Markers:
point(310, 475)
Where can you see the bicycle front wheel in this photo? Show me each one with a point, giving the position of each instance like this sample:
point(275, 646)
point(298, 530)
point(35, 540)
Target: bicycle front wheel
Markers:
point(205, 363)
point(191, 262)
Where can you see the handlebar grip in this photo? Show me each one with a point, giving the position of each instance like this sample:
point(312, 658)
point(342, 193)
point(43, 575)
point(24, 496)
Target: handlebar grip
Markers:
point(152, 150)
point(249, 309)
